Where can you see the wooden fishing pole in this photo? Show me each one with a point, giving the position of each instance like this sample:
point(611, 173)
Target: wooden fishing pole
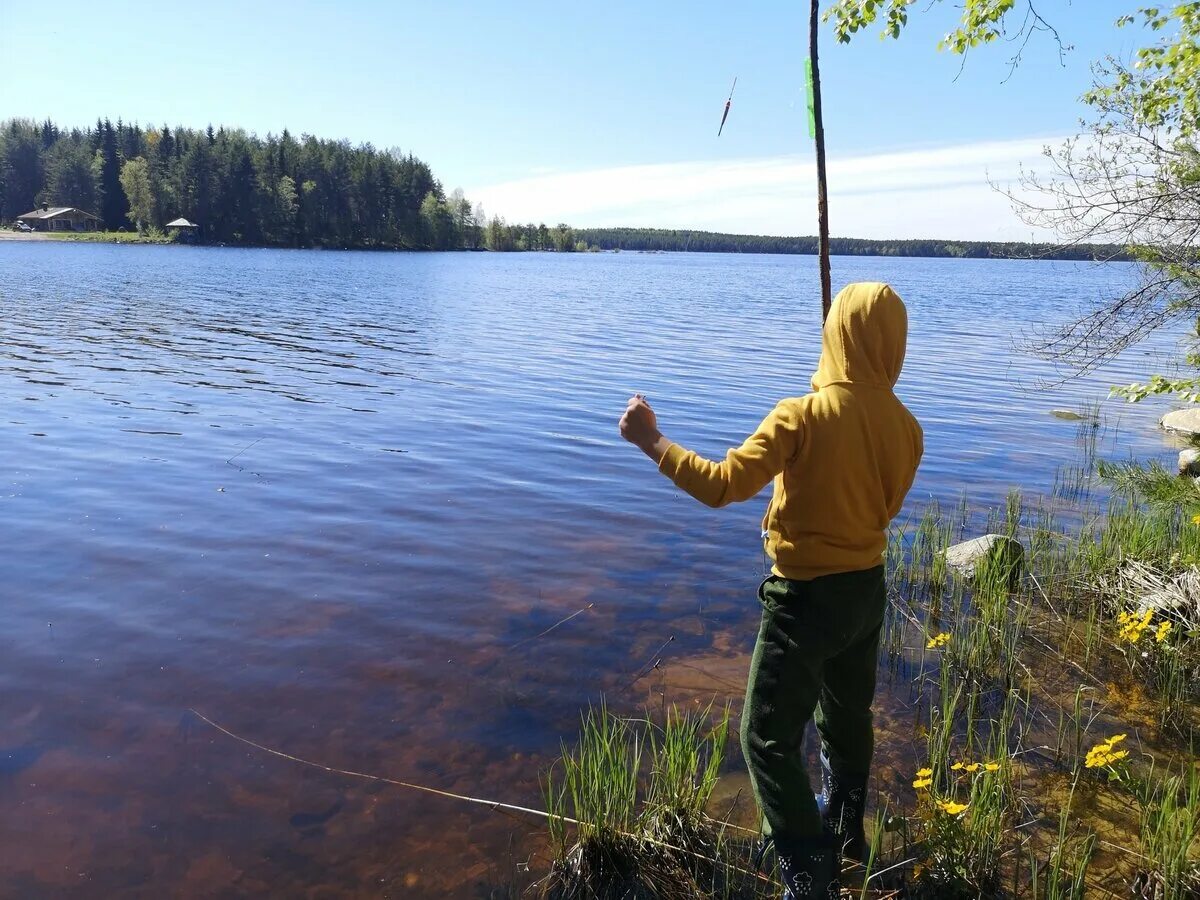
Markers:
point(816, 130)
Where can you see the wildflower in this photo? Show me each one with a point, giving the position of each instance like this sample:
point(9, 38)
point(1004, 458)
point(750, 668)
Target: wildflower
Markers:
point(1161, 634)
point(972, 768)
point(938, 640)
point(1196, 519)
point(924, 773)
point(950, 807)
point(991, 767)
point(922, 783)
point(1133, 625)
point(1105, 753)
point(957, 767)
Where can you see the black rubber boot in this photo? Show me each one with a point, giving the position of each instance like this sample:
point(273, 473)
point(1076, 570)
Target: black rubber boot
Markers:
point(809, 869)
point(843, 802)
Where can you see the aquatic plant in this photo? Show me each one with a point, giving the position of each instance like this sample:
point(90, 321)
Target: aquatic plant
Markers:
point(628, 812)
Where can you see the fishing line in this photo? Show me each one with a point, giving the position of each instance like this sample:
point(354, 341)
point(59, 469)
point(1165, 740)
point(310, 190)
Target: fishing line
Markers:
point(491, 804)
point(651, 664)
point(551, 628)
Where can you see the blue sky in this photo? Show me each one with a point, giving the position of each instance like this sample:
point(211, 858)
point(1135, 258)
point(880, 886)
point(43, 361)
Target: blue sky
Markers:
point(595, 114)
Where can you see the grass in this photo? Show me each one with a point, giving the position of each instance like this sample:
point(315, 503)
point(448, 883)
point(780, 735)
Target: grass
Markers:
point(1169, 831)
point(629, 819)
point(1152, 483)
point(111, 237)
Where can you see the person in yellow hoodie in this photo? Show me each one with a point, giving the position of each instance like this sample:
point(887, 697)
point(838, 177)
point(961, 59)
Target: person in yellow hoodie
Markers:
point(842, 459)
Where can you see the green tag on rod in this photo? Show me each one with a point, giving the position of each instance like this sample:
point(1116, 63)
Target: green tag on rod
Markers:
point(812, 112)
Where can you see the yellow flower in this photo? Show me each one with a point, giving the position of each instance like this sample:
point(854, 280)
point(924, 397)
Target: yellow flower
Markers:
point(1103, 753)
point(922, 783)
point(991, 767)
point(924, 773)
point(950, 807)
point(938, 640)
point(973, 767)
point(1196, 520)
point(1164, 629)
point(1132, 625)
point(957, 766)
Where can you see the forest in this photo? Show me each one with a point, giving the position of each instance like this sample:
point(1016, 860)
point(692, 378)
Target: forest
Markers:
point(241, 189)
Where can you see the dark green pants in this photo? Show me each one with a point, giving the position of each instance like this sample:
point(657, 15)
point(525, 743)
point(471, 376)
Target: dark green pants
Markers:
point(817, 649)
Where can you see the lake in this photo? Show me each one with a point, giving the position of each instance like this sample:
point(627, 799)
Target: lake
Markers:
point(340, 503)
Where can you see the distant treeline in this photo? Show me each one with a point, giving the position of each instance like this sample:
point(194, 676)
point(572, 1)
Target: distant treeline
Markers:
point(715, 242)
point(308, 191)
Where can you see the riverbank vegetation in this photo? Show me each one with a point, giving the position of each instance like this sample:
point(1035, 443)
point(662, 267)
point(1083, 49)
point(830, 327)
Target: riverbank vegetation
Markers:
point(149, 236)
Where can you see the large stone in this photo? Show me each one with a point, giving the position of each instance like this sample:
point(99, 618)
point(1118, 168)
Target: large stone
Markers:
point(965, 558)
point(1185, 421)
point(1189, 462)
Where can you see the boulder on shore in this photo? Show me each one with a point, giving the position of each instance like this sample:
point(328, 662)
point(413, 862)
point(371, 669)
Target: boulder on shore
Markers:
point(964, 558)
point(1184, 421)
point(1189, 462)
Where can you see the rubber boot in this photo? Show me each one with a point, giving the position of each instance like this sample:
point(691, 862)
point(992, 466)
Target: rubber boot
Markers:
point(843, 802)
point(809, 868)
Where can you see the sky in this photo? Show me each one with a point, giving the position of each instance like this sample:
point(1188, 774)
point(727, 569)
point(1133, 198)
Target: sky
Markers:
point(594, 114)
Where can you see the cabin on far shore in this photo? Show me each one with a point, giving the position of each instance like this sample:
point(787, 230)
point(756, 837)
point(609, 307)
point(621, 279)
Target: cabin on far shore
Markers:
point(183, 229)
point(60, 218)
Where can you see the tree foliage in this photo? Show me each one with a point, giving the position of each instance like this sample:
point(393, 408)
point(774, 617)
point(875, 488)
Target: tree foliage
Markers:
point(979, 22)
point(1131, 177)
point(135, 181)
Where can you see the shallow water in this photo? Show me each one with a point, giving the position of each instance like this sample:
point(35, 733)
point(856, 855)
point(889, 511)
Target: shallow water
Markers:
point(331, 499)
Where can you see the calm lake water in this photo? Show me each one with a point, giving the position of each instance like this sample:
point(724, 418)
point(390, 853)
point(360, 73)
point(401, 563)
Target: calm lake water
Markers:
point(330, 500)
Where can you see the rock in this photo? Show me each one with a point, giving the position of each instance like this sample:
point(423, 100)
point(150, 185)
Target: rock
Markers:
point(964, 558)
point(1185, 421)
point(1189, 462)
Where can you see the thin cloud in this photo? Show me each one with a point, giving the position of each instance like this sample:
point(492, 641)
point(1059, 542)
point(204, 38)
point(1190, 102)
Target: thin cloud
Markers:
point(935, 192)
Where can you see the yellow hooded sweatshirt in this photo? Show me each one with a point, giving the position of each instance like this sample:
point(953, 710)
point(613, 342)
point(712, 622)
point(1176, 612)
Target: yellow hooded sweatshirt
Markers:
point(842, 458)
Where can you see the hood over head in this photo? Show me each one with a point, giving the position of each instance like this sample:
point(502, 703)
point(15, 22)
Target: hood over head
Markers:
point(864, 338)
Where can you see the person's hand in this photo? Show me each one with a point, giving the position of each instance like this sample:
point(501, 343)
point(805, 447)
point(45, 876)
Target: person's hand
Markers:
point(639, 425)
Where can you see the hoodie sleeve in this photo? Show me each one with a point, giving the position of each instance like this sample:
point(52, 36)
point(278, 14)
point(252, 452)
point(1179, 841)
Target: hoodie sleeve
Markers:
point(745, 470)
point(918, 451)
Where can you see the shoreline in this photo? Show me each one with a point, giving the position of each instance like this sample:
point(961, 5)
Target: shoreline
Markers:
point(133, 238)
point(24, 236)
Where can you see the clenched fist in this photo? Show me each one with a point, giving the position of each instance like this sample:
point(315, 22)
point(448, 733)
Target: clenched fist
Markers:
point(639, 426)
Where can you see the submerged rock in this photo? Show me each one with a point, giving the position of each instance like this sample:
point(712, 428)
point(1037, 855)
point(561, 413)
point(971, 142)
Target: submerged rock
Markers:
point(964, 558)
point(1185, 421)
point(1189, 462)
